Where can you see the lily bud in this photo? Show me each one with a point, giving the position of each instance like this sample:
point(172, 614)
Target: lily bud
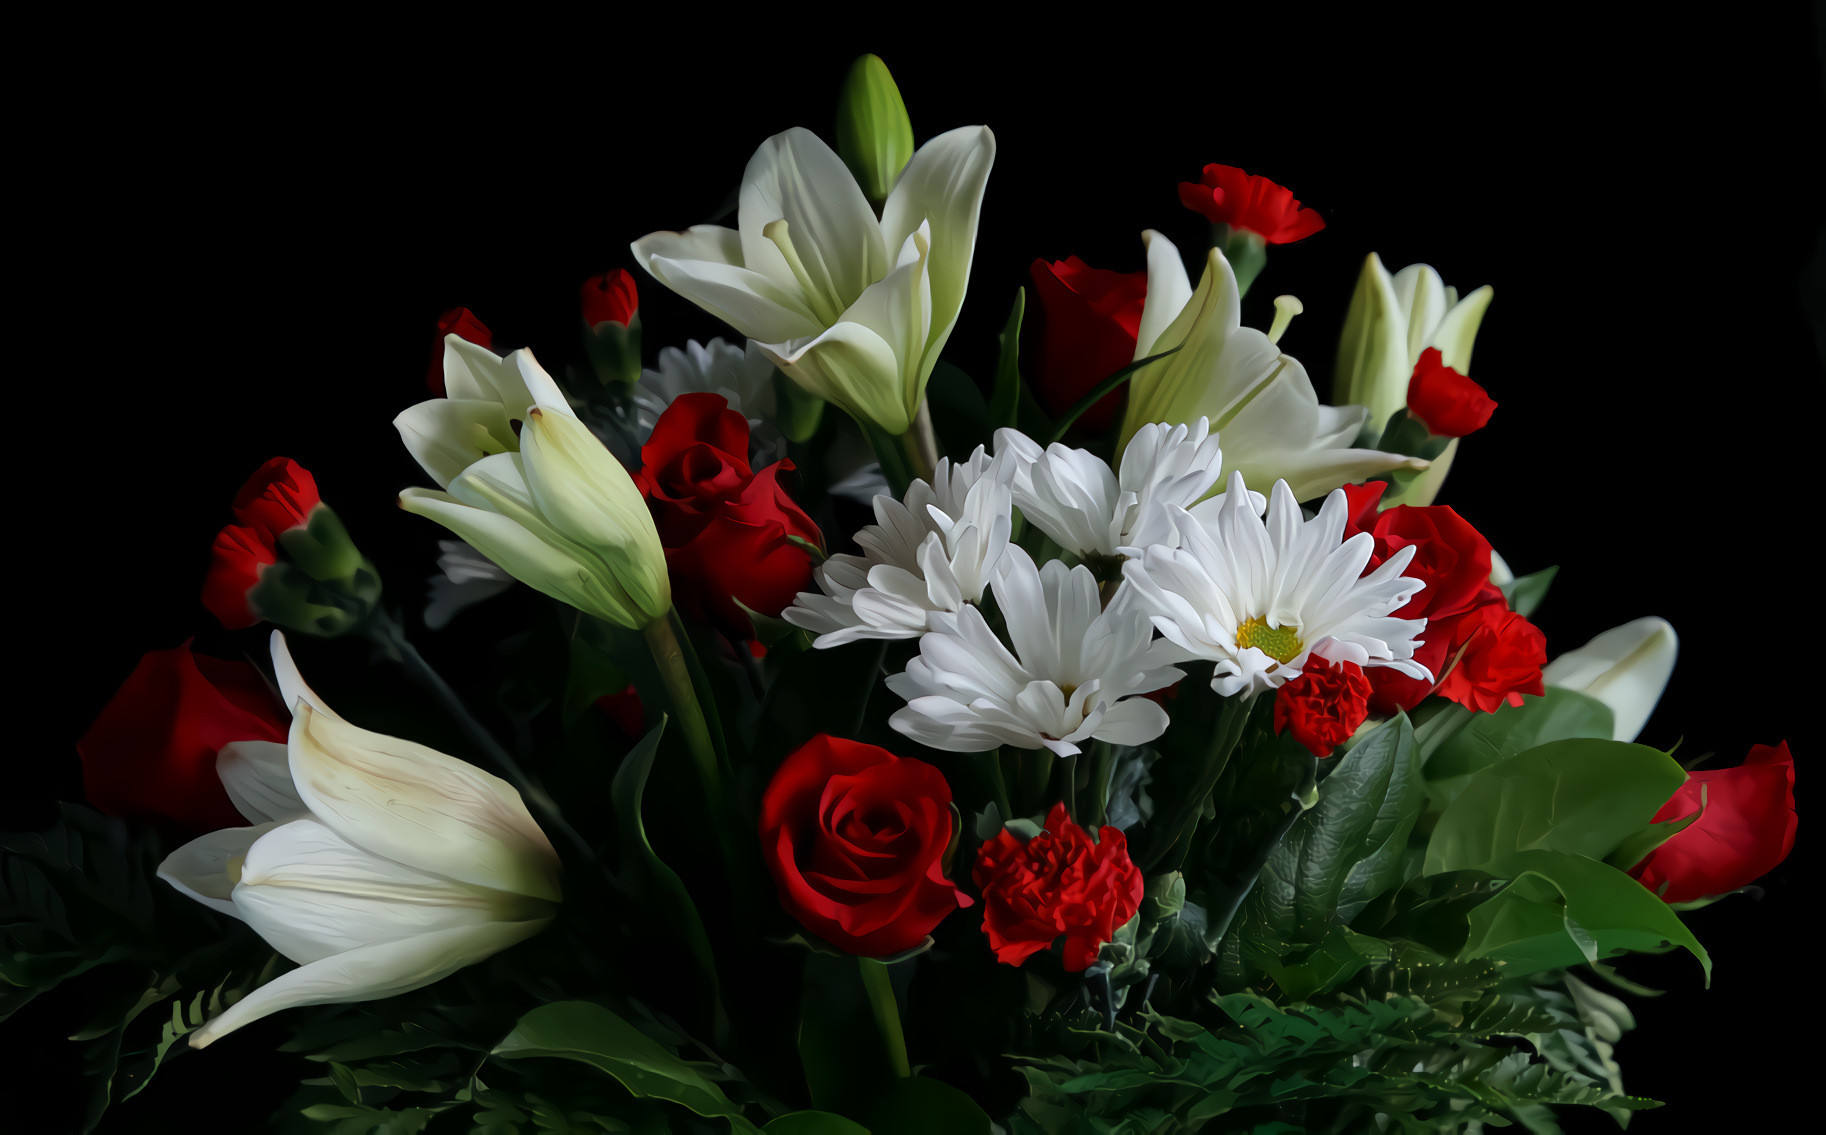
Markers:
point(409, 865)
point(874, 134)
point(1626, 668)
point(1391, 321)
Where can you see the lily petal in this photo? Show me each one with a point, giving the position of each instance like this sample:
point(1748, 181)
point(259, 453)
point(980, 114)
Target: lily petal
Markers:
point(206, 868)
point(258, 778)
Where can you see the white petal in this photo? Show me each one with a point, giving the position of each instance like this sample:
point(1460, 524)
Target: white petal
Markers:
point(696, 264)
point(447, 435)
point(1626, 668)
point(258, 778)
point(796, 178)
point(943, 186)
point(1169, 289)
point(207, 867)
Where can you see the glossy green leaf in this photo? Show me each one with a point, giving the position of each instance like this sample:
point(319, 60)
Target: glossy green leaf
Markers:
point(814, 1123)
point(921, 1105)
point(1486, 738)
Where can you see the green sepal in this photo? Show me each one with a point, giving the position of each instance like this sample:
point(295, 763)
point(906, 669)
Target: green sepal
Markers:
point(614, 351)
point(1525, 592)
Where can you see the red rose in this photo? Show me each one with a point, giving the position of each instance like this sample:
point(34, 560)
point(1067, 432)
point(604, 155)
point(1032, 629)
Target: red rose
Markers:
point(278, 497)
point(462, 323)
point(856, 838)
point(1502, 657)
point(1087, 322)
point(1446, 402)
point(610, 298)
point(1324, 705)
point(725, 528)
point(1228, 196)
point(1747, 828)
point(152, 751)
point(1059, 882)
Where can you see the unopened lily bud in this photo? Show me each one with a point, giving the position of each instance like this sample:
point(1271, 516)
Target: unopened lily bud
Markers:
point(1392, 320)
point(1626, 668)
point(874, 134)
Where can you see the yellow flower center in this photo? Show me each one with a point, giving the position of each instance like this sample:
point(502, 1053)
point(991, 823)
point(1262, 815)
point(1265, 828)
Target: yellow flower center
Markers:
point(1279, 643)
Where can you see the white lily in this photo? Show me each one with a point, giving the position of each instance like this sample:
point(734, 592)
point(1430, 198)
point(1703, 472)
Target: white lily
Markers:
point(1260, 400)
point(408, 866)
point(853, 308)
point(551, 506)
point(1626, 668)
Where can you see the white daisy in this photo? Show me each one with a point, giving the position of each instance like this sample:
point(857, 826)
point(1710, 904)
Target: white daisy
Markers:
point(1259, 596)
point(1073, 497)
point(1070, 676)
point(933, 551)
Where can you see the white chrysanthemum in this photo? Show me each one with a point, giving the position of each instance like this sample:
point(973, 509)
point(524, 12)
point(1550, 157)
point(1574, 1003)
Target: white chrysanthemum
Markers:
point(744, 378)
point(934, 551)
point(1072, 496)
point(1261, 595)
point(1070, 676)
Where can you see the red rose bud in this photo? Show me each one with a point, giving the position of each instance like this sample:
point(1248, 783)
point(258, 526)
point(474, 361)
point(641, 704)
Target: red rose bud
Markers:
point(726, 529)
point(1324, 705)
point(610, 298)
point(611, 326)
point(1747, 828)
point(1501, 659)
point(462, 323)
point(1085, 331)
point(152, 751)
point(1446, 402)
point(855, 838)
point(1228, 196)
point(1060, 883)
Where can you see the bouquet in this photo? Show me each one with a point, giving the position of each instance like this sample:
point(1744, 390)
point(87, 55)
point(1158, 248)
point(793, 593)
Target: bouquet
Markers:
point(1122, 739)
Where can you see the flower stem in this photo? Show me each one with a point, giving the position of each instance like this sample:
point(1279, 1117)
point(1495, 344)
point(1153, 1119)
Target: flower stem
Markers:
point(1102, 754)
point(920, 445)
point(1232, 718)
point(668, 649)
point(880, 989)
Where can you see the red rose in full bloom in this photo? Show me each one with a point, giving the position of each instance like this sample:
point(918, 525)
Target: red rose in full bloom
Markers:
point(462, 323)
point(1087, 322)
point(1060, 882)
point(1501, 659)
point(610, 298)
point(856, 838)
point(1446, 402)
point(278, 497)
point(725, 528)
point(152, 751)
point(1228, 196)
point(1324, 705)
point(1746, 829)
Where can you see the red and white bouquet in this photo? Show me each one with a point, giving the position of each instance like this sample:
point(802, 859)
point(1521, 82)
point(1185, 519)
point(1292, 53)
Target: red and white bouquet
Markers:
point(1122, 741)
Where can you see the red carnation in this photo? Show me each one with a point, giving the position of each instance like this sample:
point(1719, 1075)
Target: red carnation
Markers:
point(1228, 196)
point(1747, 828)
point(152, 750)
point(1502, 657)
point(277, 498)
point(1446, 402)
point(855, 838)
point(1060, 882)
point(1087, 322)
point(1324, 705)
point(462, 323)
point(725, 528)
point(610, 298)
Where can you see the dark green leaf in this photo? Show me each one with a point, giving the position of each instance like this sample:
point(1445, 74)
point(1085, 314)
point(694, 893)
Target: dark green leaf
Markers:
point(814, 1123)
point(960, 416)
point(1486, 738)
point(1005, 399)
point(920, 1105)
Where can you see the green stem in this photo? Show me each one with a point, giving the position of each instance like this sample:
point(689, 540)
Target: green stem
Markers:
point(880, 989)
point(1071, 787)
point(1101, 389)
point(1102, 754)
point(675, 671)
point(1039, 778)
point(1178, 833)
point(920, 445)
point(1001, 785)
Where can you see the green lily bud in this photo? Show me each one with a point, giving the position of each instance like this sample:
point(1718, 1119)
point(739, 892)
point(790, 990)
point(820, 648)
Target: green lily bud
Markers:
point(1391, 321)
point(874, 134)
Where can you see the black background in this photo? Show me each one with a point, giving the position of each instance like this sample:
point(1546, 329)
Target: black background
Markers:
point(239, 254)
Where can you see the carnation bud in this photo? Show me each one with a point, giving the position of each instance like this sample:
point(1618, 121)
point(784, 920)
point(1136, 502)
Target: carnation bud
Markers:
point(611, 326)
point(874, 134)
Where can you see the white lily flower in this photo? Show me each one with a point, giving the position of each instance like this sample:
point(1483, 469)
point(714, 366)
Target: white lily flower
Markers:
point(1073, 497)
point(408, 866)
point(934, 551)
point(1626, 668)
point(852, 308)
point(1391, 322)
point(550, 506)
point(1069, 678)
point(1259, 399)
point(1260, 595)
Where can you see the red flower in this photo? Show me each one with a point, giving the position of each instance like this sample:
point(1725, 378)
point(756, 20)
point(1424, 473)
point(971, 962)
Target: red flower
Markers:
point(462, 323)
point(152, 751)
point(277, 498)
point(1502, 659)
point(1059, 882)
point(624, 711)
point(1446, 402)
point(1087, 322)
point(1228, 196)
point(856, 838)
point(610, 298)
point(1324, 705)
point(725, 528)
point(1747, 828)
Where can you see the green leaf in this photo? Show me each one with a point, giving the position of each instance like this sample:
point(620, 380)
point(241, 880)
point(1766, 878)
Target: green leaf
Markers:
point(592, 674)
point(1581, 797)
point(592, 1034)
point(1005, 399)
point(1564, 909)
point(814, 1123)
point(1525, 592)
point(960, 417)
point(1486, 738)
point(840, 1047)
point(920, 1105)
